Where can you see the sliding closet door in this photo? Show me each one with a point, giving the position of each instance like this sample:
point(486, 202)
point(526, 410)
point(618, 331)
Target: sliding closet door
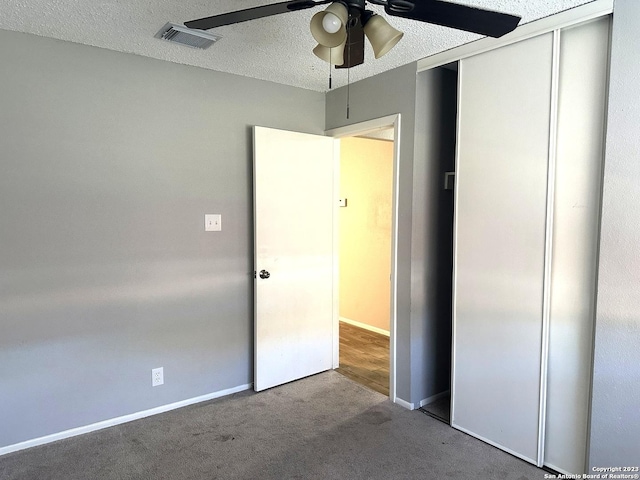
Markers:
point(584, 53)
point(501, 188)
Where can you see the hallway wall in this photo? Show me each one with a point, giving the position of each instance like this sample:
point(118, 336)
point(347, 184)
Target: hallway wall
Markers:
point(366, 178)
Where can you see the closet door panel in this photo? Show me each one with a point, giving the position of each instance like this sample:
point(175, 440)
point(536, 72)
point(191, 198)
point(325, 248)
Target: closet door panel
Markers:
point(501, 186)
point(584, 53)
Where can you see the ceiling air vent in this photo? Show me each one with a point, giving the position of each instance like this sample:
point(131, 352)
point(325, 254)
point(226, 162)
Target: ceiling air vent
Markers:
point(187, 36)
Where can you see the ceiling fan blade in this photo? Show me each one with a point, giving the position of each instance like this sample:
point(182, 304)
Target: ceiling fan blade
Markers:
point(252, 13)
point(461, 17)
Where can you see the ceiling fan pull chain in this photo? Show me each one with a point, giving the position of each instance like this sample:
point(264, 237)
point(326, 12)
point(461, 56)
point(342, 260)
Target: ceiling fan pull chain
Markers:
point(330, 69)
point(348, 84)
point(348, 70)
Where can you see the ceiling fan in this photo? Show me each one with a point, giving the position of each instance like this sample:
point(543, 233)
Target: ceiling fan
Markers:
point(341, 28)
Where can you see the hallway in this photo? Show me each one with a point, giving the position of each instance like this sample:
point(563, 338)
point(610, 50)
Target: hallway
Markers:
point(364, 357)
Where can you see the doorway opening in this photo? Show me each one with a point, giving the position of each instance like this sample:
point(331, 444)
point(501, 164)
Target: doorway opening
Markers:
point(365, 226)
point(364, 347)
point(433, 220)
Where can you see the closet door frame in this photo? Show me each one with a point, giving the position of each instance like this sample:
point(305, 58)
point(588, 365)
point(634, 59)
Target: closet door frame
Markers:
point(554, 24)
point(548, 253)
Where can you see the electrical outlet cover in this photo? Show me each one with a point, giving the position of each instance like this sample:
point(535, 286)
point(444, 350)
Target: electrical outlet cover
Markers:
point(157, 376)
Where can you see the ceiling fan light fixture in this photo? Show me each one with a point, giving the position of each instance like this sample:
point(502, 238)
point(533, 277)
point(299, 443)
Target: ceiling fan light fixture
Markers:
point(331, 23)
point(335, 16)
point(382, 36)
point(334, 55)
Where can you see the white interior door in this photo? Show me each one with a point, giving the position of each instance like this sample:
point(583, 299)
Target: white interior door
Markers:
point(294, 255)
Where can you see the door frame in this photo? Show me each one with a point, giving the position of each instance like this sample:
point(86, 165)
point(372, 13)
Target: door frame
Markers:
point(360, 128)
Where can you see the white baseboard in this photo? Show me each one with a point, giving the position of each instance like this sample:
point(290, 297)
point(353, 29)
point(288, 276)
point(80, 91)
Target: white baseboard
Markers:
point(119, 420)
point(422, 403)
point(434, 398)
point(405, 404)
point(365, 326)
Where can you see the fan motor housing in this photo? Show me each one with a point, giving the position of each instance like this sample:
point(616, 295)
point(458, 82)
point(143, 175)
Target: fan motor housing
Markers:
point(358, 4)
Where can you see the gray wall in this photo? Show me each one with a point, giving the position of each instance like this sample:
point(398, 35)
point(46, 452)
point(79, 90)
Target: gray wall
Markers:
point(615, 415)
point(108, 163)
point(387, 94)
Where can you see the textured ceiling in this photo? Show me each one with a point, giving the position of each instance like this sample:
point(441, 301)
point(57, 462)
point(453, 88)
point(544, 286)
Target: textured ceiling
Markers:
point(276, 48)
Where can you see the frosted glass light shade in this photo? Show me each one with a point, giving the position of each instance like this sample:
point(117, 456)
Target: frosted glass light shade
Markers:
point(382, 36)
point(322, 36)
point(331, 23)
point(335, 55)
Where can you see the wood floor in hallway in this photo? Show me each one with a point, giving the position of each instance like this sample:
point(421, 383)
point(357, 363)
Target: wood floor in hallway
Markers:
point(364, 357)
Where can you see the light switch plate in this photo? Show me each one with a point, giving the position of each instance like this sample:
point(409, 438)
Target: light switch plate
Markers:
point(212, 222)
point(343, 202)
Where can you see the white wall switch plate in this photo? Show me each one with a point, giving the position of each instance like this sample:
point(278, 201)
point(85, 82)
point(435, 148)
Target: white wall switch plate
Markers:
point(342, 202)
point(157, 376)
point(212, 222)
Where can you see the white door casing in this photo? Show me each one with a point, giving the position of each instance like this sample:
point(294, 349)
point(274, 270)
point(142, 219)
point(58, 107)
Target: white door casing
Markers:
point(294, 242)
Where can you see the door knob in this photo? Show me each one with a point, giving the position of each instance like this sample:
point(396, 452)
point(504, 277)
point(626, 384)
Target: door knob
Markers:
point(264, 274)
